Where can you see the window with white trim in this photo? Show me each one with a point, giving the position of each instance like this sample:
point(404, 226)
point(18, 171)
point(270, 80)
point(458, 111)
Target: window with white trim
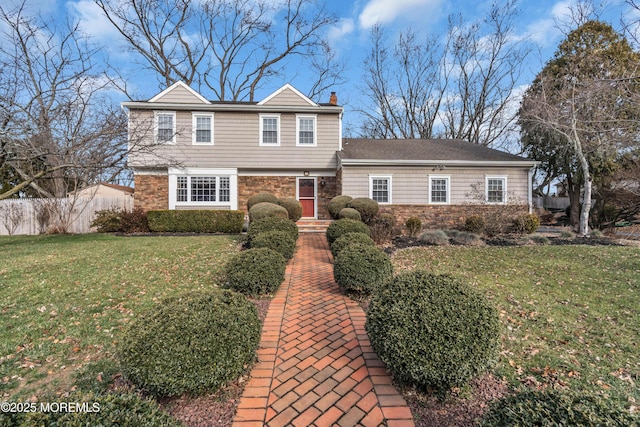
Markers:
point(380, 188)
point(194, 189)
point(496, 189)
point(306, 130)
point(202, 128)
point(165, 127)
point(269, 129)
point(439, 191)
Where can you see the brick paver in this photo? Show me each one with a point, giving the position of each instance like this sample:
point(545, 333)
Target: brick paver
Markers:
point(315, 364)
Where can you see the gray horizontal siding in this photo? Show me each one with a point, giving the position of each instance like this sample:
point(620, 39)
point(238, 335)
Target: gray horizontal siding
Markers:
point(287, 97)
point(179, 95)
point(236, 143)
point(410, 185)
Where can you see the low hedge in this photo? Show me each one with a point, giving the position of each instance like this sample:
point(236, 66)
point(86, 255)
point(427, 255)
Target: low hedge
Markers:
point(293, 207)
point(556, 408)
point(108, 410)
point(279, 241)
point(343, 226)
point(362, 268)
point(350, 213)
point(272, 224)
point(260, 198)
point(256, 271)
point(432, 331)
point(196, 221)
point(368, 208)
point(349, 239)
point(267, 209)
point(193, 343)
point(336, 204)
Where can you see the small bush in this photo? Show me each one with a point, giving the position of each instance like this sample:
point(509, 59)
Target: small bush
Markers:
point(414, 225)
point(343, 226)
point(256, 271)
point(293, 207)
point(193, 343)
point(538, 239)
point(368, 208)
point(350, 213)
point(134, 221)
point(382, 227)
point(361, 269)
point(261, 198)
point(279, 241)
point(349, 239)
point(435, 238)
point(266, 209)
point(555, 408)
point(336, 204)
point(465, 238)
point(109, 410)
point(474, 224)
point(526, 223)
point(107, 221)
point(432, 331)
point(567, 233)
point(196, 221)
point(272, 224)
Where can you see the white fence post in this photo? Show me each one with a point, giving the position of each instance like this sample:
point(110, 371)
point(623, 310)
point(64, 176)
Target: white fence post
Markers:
point(83, 212)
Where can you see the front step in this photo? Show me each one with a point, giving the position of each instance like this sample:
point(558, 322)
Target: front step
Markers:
point(313, 225)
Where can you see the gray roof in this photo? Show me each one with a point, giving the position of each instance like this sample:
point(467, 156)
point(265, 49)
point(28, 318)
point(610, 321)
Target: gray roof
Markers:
point(422, 151)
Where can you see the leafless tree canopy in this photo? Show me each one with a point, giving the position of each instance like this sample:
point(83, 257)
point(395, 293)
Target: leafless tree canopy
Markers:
point(228, 46)
point(461, 87)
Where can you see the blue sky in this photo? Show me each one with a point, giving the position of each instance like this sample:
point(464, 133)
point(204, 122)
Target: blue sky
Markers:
point(538, 23)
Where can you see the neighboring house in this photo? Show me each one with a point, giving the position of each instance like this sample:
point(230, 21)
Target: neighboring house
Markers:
point(104, 190)
point(198, 154)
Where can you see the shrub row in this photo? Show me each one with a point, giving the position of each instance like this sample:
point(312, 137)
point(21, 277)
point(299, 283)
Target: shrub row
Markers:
point(361, 268)
point(365, 207)
point(196, 221)
point(123, 221)
point(270, 205)
point(343, 226)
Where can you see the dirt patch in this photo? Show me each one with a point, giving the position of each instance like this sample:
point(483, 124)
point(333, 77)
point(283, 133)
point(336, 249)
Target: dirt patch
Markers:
point(215, 409)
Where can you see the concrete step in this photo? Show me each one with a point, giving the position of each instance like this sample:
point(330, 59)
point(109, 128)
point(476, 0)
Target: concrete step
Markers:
point(313, 225)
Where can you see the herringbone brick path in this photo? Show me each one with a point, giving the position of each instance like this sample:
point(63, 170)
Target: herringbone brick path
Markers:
point(315, 364)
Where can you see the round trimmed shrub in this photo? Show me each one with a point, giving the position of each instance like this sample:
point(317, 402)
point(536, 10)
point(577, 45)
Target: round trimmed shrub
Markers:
point(266, 209)
point(271, 223)
point(474, 224)
point(414, 225)
point(293, 207)
point(368, 208)
point(432, 331)
point(555, 408)
point(382, 227)
point(526, 223)
point(362, 268)
point(261, 198)
point(349, 239)
point(108, 410)
point(279, 241)
point(344, 226)
point(336, 204)
point(256, 271)
point(350, 213)
point(193, 343)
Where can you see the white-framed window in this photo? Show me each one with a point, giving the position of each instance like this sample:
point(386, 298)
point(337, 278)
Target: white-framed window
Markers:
point(269, 129)
point(380, 189)
point(203, 187)
point(496, 189)
point(306, 130)
point(165, 127)
point(439, 190)
point(202, 125)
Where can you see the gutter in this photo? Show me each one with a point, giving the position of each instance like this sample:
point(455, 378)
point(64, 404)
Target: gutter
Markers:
point(370, 162)
point(136, 105)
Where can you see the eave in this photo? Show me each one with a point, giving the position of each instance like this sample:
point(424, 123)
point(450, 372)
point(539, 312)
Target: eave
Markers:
point(230, 107)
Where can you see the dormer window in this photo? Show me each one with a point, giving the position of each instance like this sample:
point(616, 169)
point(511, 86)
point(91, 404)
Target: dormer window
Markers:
point(270, 129)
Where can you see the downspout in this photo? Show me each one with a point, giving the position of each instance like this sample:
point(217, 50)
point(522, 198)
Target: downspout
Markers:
point(530, 186)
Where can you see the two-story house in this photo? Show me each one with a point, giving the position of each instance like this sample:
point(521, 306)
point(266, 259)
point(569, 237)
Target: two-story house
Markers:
point(191, 153)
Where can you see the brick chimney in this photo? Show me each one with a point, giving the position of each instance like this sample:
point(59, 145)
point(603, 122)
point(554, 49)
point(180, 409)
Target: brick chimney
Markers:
point(333, 99)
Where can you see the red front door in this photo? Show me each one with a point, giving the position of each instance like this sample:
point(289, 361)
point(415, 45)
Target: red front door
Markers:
point(307, 196)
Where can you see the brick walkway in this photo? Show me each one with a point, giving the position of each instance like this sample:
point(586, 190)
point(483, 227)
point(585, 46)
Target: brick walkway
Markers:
point(315, 364)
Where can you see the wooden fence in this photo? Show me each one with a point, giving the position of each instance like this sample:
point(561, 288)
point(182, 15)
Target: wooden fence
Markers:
point(70, 215)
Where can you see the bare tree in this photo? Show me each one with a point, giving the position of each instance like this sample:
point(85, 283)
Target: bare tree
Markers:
point(229, 46)
point(462, 87)
point(581, 111)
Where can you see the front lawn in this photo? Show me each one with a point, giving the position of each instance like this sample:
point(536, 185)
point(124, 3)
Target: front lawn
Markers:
point(64, 299)
point(570, 314)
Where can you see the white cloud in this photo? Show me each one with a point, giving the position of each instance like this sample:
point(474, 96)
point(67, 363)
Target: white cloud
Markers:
point(343, 28)
point(385, 11)
point(92, 20)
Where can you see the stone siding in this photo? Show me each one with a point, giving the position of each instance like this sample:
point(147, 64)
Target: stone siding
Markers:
point(152, 192)
point(451, 216)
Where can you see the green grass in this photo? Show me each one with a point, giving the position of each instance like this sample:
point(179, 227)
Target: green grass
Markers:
point(570, 314)
point(65, 299)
